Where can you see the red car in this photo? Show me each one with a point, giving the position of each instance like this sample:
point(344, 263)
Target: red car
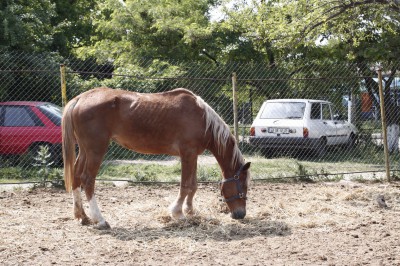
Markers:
point(25, 126)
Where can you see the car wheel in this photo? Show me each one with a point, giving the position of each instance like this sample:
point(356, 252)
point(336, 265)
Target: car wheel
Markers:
point(267, 152)
point(302, 153)
point(320, 151)
point(351, 142)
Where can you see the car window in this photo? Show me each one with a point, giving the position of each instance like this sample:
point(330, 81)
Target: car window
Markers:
point(315, 111)
point(52, 112)
point(283, 110)
point(20, 116)
point(336, 114)
point(326, 112)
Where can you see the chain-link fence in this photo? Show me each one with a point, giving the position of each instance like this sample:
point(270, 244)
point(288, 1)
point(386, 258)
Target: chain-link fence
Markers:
point(329, 122)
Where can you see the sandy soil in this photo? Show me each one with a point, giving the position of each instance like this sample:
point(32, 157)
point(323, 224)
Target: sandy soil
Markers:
point(287, 224)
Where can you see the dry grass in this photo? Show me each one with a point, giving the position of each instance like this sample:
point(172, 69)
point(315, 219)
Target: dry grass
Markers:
point(296, 224)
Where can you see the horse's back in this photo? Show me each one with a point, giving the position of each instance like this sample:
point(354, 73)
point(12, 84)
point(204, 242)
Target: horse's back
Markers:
point(145, 122)
point(103, 98)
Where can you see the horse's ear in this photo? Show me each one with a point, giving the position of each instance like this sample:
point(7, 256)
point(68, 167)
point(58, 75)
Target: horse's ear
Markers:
point(246, 166)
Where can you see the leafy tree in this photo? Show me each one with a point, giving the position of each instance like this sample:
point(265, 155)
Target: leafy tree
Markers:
point(25, 25)
point(307, 32)
point(32, 36)
point(365, 32)
point(344, 30)
point(45, 25)
point(72, 24)
point(129, 31)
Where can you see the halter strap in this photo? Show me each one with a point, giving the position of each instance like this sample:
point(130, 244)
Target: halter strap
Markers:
point(235, 178)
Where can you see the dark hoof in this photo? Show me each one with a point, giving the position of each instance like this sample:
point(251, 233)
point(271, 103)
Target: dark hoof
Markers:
point(102, 226)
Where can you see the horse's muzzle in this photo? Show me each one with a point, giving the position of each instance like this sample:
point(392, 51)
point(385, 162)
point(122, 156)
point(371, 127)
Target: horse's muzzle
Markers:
point(238, 214)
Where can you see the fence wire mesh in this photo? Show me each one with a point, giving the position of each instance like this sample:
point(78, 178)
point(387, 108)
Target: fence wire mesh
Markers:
point(284, 138)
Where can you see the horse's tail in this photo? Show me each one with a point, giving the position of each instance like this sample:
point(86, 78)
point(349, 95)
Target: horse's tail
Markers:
point(68, 144)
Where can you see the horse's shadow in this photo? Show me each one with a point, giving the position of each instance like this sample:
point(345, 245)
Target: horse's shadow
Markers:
point(200, 229)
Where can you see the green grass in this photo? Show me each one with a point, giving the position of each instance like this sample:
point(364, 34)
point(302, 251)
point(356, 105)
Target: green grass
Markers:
point(155, 172)
point(141, 172)
point(22, 174)
point(364, 158)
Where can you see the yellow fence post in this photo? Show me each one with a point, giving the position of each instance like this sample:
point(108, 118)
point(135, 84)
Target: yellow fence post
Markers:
point(383, 119)
point(235, 111)
point(63, 85)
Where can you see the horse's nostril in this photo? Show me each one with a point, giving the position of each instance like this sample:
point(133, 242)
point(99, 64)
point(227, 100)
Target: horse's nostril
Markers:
point(238, 215)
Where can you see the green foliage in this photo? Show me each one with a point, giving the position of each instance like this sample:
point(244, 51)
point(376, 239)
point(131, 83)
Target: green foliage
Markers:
point(296, 23)
point(140, 172)
point(285, 30)
point(43, 167)
point(43, 163)
point(208, 173)
point(26, 25)
point(28, 85)
point(13, 174)
point(45, 25)
point(155, 28)
point(72, 24)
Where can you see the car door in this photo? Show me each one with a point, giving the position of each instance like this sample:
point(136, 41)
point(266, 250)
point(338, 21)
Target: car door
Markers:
point(342, 127)
point(320, 123)
point(19, 129)
point(329, 124)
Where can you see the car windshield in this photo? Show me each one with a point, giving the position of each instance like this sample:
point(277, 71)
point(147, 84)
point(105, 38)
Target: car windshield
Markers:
point(52, 111)
point(283, 110)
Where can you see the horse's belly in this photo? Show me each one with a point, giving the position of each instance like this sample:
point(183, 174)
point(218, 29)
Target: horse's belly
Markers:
point(149, 146)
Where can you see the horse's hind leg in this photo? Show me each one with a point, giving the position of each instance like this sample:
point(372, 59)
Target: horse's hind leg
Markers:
point(92, 165)
point(76, 190)
point(188, 186)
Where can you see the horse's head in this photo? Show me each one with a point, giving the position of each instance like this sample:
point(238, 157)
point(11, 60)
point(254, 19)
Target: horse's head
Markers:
point(234, 191)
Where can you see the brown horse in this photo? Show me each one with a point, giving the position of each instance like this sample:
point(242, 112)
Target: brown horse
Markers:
point(177, 123)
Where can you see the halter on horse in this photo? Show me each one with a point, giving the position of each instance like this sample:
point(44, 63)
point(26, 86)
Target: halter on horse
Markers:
point(177, 123)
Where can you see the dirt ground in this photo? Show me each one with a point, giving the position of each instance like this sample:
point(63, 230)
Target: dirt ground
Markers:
point(287, 224)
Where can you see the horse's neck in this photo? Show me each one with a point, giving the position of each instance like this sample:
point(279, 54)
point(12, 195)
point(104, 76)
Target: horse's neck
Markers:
point(229, 158)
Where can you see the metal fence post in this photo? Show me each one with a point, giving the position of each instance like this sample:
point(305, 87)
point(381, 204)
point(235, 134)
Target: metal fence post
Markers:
point(63, 85)
point(235, 110)
point(383, 119)
point(350, 108)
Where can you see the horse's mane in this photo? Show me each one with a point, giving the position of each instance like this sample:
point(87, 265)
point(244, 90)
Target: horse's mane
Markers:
point(220, 131)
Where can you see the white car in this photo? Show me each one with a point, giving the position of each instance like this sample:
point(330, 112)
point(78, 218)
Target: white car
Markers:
point(300, 124)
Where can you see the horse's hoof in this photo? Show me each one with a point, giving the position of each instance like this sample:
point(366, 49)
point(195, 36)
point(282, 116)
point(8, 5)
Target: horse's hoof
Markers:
point(102, 226)
point(189, 211)
point(178, 216)
point(176, 212)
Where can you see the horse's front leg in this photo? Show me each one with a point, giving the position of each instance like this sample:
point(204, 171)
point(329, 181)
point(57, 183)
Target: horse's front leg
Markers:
point(188, 203)
point(188, 187)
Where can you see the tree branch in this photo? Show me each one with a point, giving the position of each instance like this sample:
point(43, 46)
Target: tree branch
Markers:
point(341, 8)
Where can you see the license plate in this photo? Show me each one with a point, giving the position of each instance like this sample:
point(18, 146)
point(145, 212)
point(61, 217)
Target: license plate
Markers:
point(278, 130)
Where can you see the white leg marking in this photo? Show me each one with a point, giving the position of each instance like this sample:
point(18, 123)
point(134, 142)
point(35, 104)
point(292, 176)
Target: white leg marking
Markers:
point(95, 213)
point(176, 208)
